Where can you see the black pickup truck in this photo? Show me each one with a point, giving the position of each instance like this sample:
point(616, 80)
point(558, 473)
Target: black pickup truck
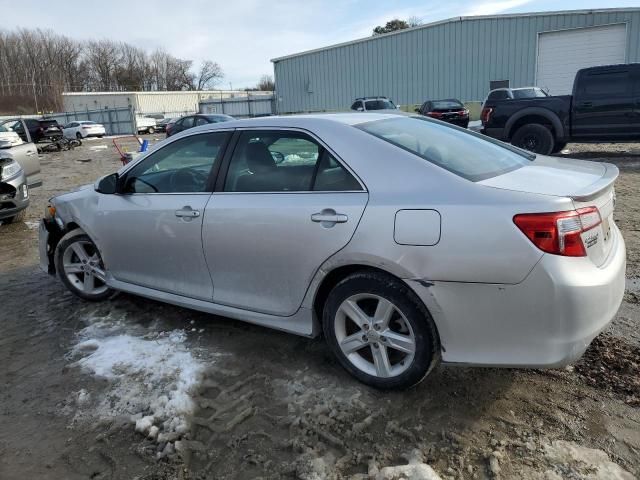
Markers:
point(604, 107)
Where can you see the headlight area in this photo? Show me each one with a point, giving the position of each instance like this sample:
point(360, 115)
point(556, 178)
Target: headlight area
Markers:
point(9, 168)
point(14, 195)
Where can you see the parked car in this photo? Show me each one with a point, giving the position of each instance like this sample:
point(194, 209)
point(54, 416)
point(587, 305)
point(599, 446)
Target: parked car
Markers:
point(405, 240)
point(449, 110)
point(161, 126)
point(190, 121)
point(83, 129)
point(603, 107)
point(367, 104)
point(146, 125)
point(33, 130)
point(517, 93)
point(19, 170)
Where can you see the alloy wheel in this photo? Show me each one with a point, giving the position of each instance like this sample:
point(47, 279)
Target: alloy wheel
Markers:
point(374, 335)
point(83, 268)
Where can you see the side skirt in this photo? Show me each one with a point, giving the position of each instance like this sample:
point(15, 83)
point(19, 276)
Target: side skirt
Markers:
point(301, 323)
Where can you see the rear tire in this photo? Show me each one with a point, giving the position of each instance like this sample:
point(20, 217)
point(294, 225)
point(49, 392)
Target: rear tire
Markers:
point(380, 331)
point(559, 146)
point(80, 267)
point(535, 138)
point(151, 130)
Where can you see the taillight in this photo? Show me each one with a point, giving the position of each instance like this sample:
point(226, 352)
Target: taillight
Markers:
point(559, 232)
point(434, 114)
point(463, 112)
point(485, 116)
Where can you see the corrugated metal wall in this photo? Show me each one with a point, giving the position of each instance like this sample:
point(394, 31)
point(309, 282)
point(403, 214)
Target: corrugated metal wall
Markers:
point(456, 58)
point(175, 103)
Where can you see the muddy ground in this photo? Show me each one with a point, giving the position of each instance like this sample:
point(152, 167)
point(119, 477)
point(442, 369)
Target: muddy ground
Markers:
point(271, 405)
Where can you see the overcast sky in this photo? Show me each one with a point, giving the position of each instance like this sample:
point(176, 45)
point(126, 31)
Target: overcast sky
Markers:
point(243, 35)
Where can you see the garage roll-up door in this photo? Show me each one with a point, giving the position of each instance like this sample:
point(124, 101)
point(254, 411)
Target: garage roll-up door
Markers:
point(561, 54)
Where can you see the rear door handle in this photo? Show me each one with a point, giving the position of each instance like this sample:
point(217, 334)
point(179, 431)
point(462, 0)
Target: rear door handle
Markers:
point(329, 216)
point(187, 212)
point(586, 104)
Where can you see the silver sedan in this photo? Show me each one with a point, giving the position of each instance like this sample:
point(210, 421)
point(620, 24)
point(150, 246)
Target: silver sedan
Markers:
point(404, 240)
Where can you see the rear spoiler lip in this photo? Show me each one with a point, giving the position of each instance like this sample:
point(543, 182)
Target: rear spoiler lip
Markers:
point(592, 191)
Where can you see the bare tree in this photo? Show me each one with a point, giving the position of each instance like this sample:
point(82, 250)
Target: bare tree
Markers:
point(210, 74)
point(266, 83)
point(36, 66)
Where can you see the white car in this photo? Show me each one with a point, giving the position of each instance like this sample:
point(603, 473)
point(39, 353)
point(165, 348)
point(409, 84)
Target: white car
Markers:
point(83, 129)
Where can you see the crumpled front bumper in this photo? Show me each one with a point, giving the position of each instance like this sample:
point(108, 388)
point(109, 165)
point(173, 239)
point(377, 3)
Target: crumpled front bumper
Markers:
point(14, 196)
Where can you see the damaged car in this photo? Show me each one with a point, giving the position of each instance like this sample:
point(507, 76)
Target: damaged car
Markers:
point(403, 240)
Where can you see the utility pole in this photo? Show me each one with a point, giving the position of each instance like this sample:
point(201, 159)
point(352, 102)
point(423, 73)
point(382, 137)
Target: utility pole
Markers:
point(33, 83)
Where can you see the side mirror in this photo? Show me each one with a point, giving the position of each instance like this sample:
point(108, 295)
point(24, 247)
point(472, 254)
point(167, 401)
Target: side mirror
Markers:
point(360, 109)
point(108, 184)
point(417, 110)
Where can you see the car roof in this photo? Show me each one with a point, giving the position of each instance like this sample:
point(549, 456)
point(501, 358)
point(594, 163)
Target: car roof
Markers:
point(298, 121)
point(372, 98)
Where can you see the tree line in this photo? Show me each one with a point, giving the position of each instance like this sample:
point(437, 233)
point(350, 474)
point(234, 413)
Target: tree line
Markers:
point(36, 66)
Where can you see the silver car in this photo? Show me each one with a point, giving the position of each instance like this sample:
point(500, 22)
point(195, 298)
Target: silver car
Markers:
point(404, 240)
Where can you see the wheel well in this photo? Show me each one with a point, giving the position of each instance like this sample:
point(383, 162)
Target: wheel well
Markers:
point(527, 119)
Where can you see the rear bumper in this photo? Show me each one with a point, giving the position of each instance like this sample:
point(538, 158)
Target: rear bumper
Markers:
point(548, 320)
point(497, 133)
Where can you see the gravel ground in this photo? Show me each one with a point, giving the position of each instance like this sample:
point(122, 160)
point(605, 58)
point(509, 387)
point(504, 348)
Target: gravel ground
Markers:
point(271, 405)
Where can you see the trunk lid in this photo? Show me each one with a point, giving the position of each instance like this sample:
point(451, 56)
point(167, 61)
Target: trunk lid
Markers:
point(586, 183)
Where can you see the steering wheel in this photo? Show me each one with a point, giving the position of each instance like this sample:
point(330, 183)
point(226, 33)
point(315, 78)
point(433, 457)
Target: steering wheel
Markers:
point(187, 180)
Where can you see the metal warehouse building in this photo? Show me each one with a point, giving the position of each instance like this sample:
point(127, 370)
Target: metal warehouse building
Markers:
point(144, 103)
point(462, 57)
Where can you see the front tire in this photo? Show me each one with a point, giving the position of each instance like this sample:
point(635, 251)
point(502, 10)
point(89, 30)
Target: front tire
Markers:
point(380, 331)
point(534, 137)
point(79, 136)
point(151, 130)
point(80, 267)
point(18, 217)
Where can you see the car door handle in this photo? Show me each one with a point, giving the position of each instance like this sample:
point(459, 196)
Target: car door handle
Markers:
point(329, 216)
point(30, 152)
point(586, 104)
point(187, 212)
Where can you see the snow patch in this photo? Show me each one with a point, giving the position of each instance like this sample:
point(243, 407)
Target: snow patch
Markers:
point(592, 463)
point(151, 376)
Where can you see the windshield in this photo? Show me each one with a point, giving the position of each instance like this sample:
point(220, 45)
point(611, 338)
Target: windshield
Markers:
point(529, 93)
point(4, 129)
point(88, 123)
point(446, 104)
point(466, 154)
point(380, 104)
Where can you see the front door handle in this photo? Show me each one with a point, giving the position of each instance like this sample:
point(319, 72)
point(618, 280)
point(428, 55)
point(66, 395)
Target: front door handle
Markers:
point(329, 216)
point(586, 104)
point(187, 212)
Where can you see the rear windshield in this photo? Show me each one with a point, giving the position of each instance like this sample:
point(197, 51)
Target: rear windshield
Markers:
point(529, 93)
point(444, 104)
point(466, 154)
point(49, 123)
point(87, 123)
point(379, 105)
point(219, 118)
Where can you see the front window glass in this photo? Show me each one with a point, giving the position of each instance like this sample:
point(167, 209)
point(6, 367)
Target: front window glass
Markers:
point(182, 166)
point(380, 104)
point(465, 154)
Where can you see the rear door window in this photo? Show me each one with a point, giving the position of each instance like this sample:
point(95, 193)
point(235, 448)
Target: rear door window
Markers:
point(284, 161)
point(616, 83)
point(466, 154)
point(498, 95)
